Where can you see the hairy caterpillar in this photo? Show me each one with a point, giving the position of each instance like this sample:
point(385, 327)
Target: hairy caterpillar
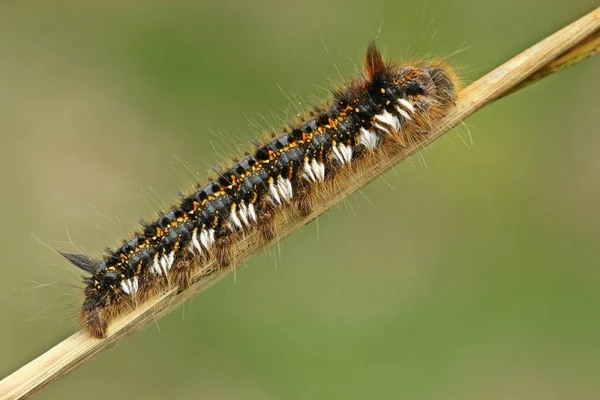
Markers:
point(381, 111)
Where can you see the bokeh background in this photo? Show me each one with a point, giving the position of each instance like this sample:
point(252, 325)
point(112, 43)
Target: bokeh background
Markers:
point(470, 272)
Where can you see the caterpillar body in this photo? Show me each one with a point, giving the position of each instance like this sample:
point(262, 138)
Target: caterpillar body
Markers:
point(387, 107)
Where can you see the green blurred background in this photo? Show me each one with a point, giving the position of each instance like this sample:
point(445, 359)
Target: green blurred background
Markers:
point(476, 275)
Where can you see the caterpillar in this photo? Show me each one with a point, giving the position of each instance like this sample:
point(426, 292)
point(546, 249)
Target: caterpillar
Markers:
point(384, 109)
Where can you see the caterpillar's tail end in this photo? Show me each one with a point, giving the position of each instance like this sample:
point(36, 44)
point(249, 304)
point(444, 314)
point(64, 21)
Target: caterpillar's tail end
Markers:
point(94, 323)
point(81, 261)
